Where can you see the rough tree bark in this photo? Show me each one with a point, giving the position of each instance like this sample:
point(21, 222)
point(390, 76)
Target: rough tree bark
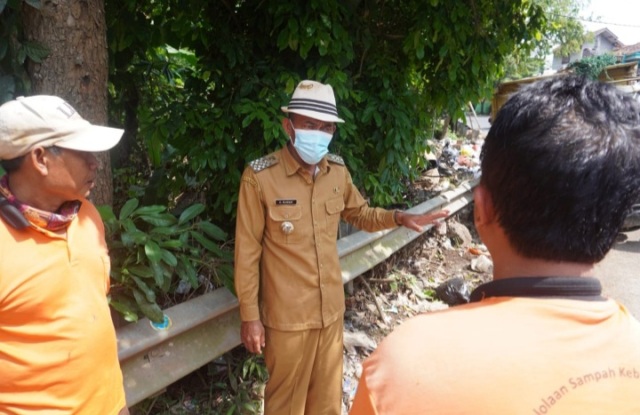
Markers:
point(77, 68)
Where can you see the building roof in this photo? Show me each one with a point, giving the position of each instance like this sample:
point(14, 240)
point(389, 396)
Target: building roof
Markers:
point(610, 36)
point(607, 34)
point(627, 50)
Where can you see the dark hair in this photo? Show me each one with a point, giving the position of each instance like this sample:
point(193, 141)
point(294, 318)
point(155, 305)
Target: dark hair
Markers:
point(15, 163)
point(12, 164)
point(561, 163)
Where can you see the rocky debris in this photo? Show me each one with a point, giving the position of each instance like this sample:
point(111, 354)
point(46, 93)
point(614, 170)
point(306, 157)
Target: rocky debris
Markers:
point(482, 264)
point(358, 339)
point(460, 234)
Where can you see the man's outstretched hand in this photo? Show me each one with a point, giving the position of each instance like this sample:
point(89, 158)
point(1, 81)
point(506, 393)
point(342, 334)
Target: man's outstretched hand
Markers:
point(416, 222)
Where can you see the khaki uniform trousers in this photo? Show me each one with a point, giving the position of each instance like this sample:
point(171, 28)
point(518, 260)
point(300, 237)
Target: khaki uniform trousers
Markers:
point(305, 371)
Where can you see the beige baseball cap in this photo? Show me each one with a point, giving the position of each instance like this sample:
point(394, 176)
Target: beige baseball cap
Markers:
point(45, 120)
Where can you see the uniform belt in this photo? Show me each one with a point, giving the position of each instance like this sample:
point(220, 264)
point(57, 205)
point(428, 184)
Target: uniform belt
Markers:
point(578, 288)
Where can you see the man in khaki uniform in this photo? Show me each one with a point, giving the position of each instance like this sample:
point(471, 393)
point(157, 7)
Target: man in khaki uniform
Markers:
point(287, 270)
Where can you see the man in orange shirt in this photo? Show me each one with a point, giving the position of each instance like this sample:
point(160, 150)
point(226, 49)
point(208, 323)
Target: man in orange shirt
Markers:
point(287, 270)
point(560, 169)
point(58, 351)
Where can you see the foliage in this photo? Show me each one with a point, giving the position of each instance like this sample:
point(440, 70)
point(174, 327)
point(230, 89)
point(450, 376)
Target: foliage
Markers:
point(206, 111)
point(592, 66)
point(231, 384)
point(154, 252)
point(518, 67)
point(15, 50)
point(564, 32)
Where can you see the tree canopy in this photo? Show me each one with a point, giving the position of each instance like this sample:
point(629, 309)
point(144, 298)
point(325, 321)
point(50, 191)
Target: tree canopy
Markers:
point(201, 85)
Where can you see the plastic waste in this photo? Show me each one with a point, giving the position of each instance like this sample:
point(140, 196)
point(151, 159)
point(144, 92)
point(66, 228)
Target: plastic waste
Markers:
point(454, 291)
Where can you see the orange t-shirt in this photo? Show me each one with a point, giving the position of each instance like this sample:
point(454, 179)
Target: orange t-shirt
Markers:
point(58, 350)
point(507, 356)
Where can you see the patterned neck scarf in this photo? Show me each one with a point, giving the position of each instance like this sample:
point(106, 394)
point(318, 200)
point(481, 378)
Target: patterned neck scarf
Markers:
point(53, 221)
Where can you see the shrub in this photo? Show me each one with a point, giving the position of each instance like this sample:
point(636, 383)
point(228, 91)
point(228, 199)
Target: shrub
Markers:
point(155, 254)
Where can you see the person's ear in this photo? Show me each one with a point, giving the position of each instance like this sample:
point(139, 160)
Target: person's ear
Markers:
point(39, 160)
point(287, 126)
point(483, 209)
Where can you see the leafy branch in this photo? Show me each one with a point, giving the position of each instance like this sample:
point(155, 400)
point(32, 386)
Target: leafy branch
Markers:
point(15, 50)
point(153, 252)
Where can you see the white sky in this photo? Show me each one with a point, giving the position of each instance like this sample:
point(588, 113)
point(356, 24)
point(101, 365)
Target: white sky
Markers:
point(622, 17)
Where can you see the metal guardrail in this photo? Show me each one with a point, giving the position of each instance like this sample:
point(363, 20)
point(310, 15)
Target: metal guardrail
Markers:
point(208, 326)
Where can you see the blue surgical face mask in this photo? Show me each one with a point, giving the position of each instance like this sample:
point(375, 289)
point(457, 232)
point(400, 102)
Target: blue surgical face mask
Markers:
point(312, 145)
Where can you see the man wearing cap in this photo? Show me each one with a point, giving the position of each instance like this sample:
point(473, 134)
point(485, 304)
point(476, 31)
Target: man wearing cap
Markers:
point(58, 351)
point(287, 270)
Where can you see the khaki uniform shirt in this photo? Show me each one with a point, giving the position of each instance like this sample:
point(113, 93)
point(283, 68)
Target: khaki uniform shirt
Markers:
point(292, 280)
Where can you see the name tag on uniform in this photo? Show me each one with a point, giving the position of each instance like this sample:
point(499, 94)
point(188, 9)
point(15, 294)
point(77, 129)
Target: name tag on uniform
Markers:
point(286, 202)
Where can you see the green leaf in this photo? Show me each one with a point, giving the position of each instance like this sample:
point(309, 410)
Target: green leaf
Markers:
point(36, 51)
point(208, 244)
point(212, 230)
point(159, 220)
point(140, 271)
point(173, 244)
point(127, 311)
point(168, 258)
point(165, 231)
point(149, 210)
point(191, 212)
point(21, 56)
point(225, 274)
point(106, 213)
point(150, 309)
point(153, 251)
point(162, 276)
point(133, 237)
point(148, 292)
point(128, 208)
point(186, 271)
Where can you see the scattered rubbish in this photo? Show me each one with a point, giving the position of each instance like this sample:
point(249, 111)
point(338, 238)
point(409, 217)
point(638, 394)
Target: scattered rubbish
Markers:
point(481, 264)
point(358, 339)
point(454, 291)
point(165, 324)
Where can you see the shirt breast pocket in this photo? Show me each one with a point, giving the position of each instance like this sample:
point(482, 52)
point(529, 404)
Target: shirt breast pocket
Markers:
point(333, 207)
point(284, 224)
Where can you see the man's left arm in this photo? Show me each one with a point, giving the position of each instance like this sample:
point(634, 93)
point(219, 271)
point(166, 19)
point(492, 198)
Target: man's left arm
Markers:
point(372, 219)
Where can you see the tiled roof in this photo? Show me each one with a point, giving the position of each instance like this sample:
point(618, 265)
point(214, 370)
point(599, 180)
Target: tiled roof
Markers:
point(626, 50)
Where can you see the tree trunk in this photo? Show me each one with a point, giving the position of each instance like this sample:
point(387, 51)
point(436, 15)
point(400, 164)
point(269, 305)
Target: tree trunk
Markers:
point(77, 67)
